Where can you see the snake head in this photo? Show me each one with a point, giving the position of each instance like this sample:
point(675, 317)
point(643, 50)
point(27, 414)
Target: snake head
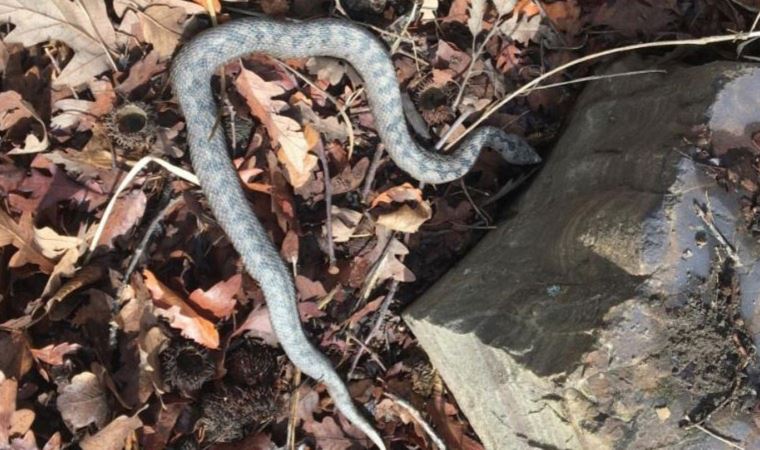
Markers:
point(514, 149)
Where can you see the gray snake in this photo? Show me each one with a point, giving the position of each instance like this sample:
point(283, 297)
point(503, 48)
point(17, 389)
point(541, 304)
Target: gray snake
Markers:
point(191, 72)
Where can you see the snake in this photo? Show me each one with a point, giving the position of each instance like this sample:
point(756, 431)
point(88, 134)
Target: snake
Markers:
point(191, 72)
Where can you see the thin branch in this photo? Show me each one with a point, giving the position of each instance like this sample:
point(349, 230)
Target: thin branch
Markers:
point(418, 418)
point(535, 82)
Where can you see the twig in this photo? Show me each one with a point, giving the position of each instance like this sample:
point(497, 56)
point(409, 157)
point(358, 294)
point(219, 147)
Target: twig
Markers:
point(475, 55)
point(412, 15)
point(335, 101)
point(462, 117)
point(509, 187)
point(377, 158)
point(478, 211)
point(379, 319)
point(598, 77)
point(418, 418)
point(182, 173)
point(333, 269)
point(718, 437)
point(149, 233)
point(294, 410)
point(528, 86)
point(704, 213)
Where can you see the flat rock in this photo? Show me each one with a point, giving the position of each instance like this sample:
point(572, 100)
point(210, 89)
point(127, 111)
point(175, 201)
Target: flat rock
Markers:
point(605, 311)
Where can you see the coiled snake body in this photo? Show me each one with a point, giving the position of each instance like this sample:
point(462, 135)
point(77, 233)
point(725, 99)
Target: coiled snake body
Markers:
point(191, 73)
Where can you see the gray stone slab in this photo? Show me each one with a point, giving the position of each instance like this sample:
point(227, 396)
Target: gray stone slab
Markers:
point(569, 326)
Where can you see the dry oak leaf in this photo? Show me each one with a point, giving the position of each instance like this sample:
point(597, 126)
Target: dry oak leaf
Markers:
point(83, 114)
point(21, 235)
point(114, 436)
point(83, 401)
point(521, 28)
point(344, 223)
point(220, 299)
point(12, 109)
point(157, 22)
point(83, 25)
point(413, 212)
point(328, 434)
point(8, 392)
point(128, 211)
point(181, 316)
point(295, 141)
point(53, 354)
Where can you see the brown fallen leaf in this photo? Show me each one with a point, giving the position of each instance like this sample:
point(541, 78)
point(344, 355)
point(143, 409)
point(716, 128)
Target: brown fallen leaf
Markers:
point(141, 72)
point(21, 421)
point(295, 142)
point(127, 213)
point(8, 390)
point(53, 354)
point(114, 436)
point(83, 401)
point(12, 109)
point(328, 434)
point(83, 25)
point(54, 443)
point(156, 22)
point(344, 223)
point(409, 216)
point(21, 235)
point(181, 315)
point(350, 178)
point(220, 299)
point(82, 114)
point(15, 357)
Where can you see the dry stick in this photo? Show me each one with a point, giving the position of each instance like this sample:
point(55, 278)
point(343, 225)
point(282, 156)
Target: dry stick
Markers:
point(418, 418)
point(412, 15)
point(704, 213)
point(140, 249)
point(475, 55)
point(377, 158)
point(293, 411)
point(527, 87)
point(336, 102)
point(333, 269)
point(718, 437)
point(379, 319)
point(182, 173)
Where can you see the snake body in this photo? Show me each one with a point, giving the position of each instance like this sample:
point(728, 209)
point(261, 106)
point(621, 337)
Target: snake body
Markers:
point(191, 73)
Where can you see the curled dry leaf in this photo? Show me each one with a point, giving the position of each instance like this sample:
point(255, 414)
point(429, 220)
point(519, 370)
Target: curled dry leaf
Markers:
point(21, 236)
point(181, 315)
point(83, 25)
point(83, 401)
point(413, 212)
point(220, 299)
point(53, 354)
point(113, 436)
point(344, 223)
point(83, 114)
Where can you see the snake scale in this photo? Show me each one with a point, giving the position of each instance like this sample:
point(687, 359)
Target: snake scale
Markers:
point(191, 74)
